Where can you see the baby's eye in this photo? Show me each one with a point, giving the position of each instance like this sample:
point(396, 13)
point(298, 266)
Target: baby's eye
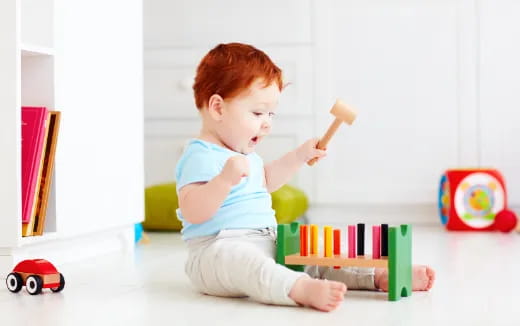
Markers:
point(258, 114)
point(271, 114)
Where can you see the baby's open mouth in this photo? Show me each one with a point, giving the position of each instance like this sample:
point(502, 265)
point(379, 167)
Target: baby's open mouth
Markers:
point(254, 141)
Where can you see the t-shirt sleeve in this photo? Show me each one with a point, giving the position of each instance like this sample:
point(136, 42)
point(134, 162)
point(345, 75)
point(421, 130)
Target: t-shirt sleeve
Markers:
point(196, 165)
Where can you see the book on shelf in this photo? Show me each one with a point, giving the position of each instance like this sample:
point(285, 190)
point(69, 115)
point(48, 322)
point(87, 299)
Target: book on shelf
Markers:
point(44, 155)
point(27, 228)
point(34, 121)
point(47, 172)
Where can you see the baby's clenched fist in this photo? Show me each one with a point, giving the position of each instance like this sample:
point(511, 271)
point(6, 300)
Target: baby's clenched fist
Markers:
point(307, 151)
point(235, 168)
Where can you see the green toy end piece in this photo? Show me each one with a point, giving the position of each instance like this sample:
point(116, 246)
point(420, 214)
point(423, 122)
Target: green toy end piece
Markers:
point(399, 262)
point(288, 243)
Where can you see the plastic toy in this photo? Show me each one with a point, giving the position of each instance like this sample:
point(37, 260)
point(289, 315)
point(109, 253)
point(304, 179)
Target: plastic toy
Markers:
point(292, 251)
point(35, 274)
point(471, 199)
point(342, 113)
point(505, 221)
point(140, 237)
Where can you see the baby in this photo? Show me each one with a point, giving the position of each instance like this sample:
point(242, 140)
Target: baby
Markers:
point(224, 192)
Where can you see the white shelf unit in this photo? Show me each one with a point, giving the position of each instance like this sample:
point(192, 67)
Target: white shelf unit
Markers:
point(36, 52)
point(37, 89)
point(92, 208)
point(29, 50)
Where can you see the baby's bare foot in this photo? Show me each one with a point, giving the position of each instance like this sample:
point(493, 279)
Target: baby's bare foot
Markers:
point(320, 294)
point(422, 278)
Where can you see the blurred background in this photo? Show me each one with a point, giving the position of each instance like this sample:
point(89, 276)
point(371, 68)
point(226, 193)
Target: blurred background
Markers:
point(436, 84)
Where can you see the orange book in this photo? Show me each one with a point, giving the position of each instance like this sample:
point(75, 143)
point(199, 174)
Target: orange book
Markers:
point(33, 134)
point(47, 171)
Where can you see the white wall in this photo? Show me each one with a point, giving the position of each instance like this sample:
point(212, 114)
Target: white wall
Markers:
point(397, 63)
point(434, 82)
point(499, 89)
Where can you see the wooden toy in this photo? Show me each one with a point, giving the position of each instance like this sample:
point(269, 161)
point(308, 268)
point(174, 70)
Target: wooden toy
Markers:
point(351, 241)
point(35, 274)
point(304, 240)
point(384, 239)
point(361, 239)
point(470, 199)
point(337, 244)
point(314, 239)
point(342, 113)
point(376, 241)
point(399, 261)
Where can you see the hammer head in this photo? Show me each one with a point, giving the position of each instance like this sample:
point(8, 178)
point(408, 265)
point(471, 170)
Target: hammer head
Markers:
point(344, 112)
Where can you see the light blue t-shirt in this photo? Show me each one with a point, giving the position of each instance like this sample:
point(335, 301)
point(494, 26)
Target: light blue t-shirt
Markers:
point(248, 204)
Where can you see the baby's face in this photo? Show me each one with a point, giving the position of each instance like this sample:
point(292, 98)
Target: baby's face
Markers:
point(247, 117)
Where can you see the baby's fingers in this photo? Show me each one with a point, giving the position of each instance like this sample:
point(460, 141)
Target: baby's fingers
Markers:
point(320, 153)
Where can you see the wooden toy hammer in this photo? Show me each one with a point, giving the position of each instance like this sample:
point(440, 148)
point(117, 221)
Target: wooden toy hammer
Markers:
point(343, 113)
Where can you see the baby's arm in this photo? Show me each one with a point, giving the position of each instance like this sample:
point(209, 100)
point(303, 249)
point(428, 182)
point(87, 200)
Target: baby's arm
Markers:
point(200, 201)
point(279, 172)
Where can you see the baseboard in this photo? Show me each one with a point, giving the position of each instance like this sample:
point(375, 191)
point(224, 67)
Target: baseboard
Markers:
point(66, 250)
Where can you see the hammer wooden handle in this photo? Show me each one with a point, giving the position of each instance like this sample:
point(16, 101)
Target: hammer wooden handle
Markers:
point(324, 141)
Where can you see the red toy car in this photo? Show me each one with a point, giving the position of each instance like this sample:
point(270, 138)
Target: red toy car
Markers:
point(35, 274)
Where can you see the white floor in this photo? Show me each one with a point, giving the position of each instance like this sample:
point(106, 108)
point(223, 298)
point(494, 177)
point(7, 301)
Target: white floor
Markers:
point(478, 283)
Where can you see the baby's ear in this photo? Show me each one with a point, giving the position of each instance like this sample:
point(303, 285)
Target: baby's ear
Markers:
point(215, 107)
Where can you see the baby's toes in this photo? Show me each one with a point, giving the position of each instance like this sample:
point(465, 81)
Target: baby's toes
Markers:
point(335, 304)
point(430, 272)
point(329, 307)
point(431, 275)
point(337, 294)
point(338, 286)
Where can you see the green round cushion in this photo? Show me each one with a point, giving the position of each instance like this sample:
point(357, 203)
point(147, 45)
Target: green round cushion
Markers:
point(161, 203)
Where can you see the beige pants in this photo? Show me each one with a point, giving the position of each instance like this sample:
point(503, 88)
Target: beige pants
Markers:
point(240, 263)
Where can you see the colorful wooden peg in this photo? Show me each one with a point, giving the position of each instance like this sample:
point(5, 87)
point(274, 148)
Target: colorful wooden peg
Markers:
point(327, 236)
point(351, 241)
point(337, 244)
point(384, 240)
point(314, 239)
point(361, 239)
point(304, 240)
point(376, 242)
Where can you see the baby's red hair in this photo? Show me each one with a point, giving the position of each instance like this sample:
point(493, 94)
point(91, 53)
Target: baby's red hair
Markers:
point(229, 69)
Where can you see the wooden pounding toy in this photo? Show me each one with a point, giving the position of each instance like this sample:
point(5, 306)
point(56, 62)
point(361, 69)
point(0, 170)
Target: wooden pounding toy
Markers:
point(292, 251)
point(343, 113)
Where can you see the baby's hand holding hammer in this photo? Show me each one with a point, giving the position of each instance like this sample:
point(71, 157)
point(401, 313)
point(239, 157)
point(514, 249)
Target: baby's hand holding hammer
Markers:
point(308, 151)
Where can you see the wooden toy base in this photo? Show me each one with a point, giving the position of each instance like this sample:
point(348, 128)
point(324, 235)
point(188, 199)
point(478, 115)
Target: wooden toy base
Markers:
point(337, 260)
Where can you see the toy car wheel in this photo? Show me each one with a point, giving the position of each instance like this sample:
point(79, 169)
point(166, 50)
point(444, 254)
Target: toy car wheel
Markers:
point(34, 284)
point(61, 286)
point(14, 282)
